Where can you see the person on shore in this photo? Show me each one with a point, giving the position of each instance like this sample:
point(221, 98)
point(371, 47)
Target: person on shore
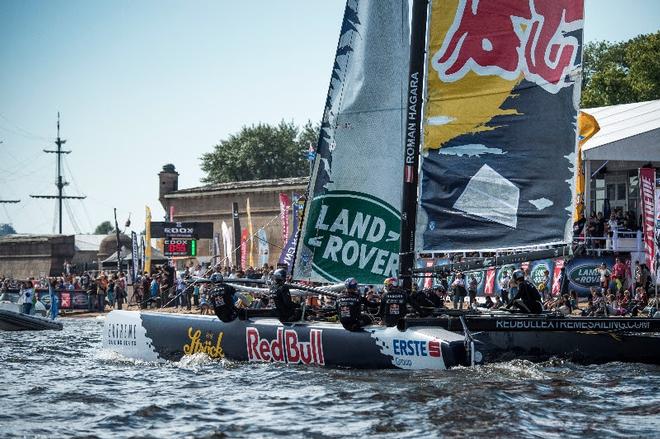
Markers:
point(527, 298)
point(110, 293)
point(393, 304)
point(120, 290)
point(102, 288)
point(54, 301)
point(458, 291)
point(154, 292)
point(473, 286)
point(287, 310)
point(349, 307)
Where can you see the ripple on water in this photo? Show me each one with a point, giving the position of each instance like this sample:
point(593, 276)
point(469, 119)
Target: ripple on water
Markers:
point(65, 379)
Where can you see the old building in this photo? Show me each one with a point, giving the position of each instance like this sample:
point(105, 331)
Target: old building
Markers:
point(213, 203)
point(25, 256)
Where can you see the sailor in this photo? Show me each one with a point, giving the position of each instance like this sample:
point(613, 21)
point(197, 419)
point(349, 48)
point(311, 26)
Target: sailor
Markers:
point(287, 310)
point(393, 305)
point(527, 298)
point(222, 299)
point(349, 307)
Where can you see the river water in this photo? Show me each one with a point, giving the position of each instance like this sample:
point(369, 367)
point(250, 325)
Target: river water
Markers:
point(62, 384)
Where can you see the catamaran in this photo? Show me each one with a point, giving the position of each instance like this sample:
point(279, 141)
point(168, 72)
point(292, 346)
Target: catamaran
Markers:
point(449, 131)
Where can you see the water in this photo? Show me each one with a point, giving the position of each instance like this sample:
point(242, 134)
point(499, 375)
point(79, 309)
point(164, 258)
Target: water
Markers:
point(62, 384)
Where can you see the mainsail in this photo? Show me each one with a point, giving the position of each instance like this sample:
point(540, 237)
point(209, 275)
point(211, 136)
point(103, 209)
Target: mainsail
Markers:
point(351, 226)
point(499, 138)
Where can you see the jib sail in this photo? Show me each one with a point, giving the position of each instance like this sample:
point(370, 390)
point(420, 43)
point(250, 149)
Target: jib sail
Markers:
point(499, 136)
point(352, 220)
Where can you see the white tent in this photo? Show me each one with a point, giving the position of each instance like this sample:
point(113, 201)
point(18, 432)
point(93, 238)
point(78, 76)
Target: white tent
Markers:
point(628, 132)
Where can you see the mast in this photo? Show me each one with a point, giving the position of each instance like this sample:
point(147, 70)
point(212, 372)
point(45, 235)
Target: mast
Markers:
point(60, 183)
point(412, 140)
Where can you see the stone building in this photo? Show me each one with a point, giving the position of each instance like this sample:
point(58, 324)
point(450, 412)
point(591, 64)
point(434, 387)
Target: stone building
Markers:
point(213, 203)
point(25, 256)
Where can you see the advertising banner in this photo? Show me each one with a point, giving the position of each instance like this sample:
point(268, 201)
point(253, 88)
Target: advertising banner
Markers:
point(583, 273)
point(285, 205)
point(135, 257)
point(244, 244)
point(647, 198)
point(501, 113)
point(228, 249)
point(352, 223)
point(264, 250)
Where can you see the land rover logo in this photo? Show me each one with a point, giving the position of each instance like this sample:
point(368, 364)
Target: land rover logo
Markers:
point(585, 275)
point(508, 268)
point(353, 235)
point(538, 272)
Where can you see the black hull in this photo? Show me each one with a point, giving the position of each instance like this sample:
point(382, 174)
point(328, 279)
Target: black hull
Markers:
point(16, 321)
point(423, 344)
point(156, 336)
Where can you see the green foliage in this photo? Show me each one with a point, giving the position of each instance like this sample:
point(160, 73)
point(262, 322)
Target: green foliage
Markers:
point(621, 73)
point(104, 228)
point(260, 152)
point(7, 229)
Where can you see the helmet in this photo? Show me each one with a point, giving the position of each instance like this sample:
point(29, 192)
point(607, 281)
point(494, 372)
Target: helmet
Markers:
point(216, 278)
point(391, 282)
point(351, 283)
point(518, 275)
point(279, 274)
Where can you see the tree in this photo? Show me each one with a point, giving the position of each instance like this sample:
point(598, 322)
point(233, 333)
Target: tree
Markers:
point(622, 72)
point(7, 229)
point(260, 152)
point(104, 228)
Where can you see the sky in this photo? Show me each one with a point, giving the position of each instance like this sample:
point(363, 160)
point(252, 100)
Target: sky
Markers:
point(143, 83)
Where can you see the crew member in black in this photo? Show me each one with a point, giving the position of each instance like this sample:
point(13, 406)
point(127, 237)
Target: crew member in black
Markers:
point(393, 304)
point(421, 303)
point(222, 299)
point(528, 298)
point(349, 307)
point(287, 311)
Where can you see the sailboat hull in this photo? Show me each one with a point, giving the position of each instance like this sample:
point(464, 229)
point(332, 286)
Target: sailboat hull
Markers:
point(160, 336)
point(424, 344)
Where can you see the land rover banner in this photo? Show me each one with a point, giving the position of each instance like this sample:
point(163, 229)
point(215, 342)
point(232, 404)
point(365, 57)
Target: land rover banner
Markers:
point(351, 224)
point(499, 124)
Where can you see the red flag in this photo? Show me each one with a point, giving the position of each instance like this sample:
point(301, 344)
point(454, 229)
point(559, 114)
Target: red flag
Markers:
point(556, 278)
point(647, 192)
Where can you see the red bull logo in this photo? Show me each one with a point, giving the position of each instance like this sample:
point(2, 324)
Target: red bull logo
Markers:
point(508, 38)
point(286, 348)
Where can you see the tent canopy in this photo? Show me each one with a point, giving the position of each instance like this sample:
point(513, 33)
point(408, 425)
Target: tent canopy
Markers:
point(628, 132)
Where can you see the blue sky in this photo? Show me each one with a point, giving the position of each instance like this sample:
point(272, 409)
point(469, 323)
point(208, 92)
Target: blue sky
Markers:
point(144, 83)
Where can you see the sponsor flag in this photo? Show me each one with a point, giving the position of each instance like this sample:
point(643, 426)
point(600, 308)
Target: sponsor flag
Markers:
point(263, 247)
point(557, 279)
point(244, 238)
point(311, 154)
point(147, 240)
point(500, 123)
point(135, 257)
point(142, 249)
point(285, 205)
point(657, 228)
point(489, 288)
point(216, 248)
point(647, 190)
point(352, 220)
point(227, 246)
point(251, 236)
point(587, 127)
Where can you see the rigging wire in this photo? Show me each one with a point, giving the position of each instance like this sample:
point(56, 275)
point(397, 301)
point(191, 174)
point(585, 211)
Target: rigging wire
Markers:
point(25, 133)
point(72, 218)
point(67, 168)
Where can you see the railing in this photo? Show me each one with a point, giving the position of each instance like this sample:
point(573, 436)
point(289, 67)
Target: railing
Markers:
point(620, 241)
